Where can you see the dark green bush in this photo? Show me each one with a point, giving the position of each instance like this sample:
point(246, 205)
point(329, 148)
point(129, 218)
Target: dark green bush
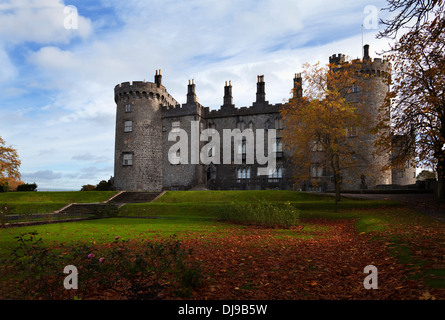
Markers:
point(27, 187)
point(106, 210)
point(88, 187)
point(104, 186)
point(261, 213)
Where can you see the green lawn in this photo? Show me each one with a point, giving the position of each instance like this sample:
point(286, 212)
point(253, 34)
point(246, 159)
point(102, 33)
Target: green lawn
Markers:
point(46, 202)
point(193, 214)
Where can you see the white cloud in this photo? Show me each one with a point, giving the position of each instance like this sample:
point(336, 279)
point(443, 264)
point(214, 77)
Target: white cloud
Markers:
point(40, 21)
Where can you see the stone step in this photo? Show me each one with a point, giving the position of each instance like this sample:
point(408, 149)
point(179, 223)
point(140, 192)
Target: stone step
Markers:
point(135, 197)
point(80, 209)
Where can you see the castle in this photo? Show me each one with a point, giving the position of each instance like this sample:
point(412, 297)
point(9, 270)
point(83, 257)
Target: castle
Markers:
point(147, 114)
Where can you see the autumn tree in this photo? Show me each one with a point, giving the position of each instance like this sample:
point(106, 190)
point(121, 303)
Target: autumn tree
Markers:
point(318, 126)
point(9, 164)
point(416, 103)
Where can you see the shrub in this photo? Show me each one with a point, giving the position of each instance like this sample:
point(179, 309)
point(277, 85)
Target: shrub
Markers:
point(106, 210)
point(27, 187)
point(88, 187)
point(133, 270)
point(4, 188)
point(261, 213)
point(104, 186)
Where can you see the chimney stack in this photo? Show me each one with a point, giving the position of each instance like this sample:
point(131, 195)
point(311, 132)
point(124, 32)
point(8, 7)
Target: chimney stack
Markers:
point(228, 99)
point(366, 52)
point(158, 78)
point(261, 90)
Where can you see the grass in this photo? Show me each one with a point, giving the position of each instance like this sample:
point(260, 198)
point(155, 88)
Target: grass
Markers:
point(46, 202)
point(195, 213)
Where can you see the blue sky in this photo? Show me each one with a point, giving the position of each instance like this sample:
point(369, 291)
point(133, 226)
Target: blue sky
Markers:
point(57, 106)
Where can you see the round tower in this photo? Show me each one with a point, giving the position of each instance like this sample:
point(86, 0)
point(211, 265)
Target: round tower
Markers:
point(377, 73)
point(138, 144)
point(370, 94)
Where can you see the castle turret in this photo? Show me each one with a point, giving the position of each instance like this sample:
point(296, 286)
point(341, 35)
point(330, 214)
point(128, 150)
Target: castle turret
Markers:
point(337, 59)
point(138, 146)
point(370, 93)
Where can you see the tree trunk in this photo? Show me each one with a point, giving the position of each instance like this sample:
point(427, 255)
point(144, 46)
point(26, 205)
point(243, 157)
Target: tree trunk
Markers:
point(440, 190)
point(337, 181)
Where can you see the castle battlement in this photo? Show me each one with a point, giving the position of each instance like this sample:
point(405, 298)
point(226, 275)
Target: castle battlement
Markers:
point(245, 111)
point(143, 90)
point(377, 67)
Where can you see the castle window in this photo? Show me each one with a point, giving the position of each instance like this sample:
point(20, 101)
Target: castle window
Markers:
point(211, 125)
point(243, 174)
point(278, 124)
point(316, 171)
point(212, 152)
point(278, 146)
point(268, 125)
point(251, 125)
point(127, 159)
point(176, 126)
point(355, 88)
point(211, 173)
point(128, 126)
point(317, 146)
point(276, 175)
point(352, 131)
point(128, 108)
point(241, 125)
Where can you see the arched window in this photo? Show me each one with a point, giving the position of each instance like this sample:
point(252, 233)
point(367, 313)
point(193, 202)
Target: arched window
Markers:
point(278, 146)
point(278, 124)
point(268, 125)
point(243, 174)
point(276, 175)
point(251, 125)
point(241, 125)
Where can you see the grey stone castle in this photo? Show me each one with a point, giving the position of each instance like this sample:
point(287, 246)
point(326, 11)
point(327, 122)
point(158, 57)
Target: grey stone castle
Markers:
point(147, 113)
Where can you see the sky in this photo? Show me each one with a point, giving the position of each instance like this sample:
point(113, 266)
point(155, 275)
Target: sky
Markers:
point(60, 61)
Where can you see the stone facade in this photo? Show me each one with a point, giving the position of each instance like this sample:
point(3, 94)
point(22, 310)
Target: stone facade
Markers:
point(146, 114)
